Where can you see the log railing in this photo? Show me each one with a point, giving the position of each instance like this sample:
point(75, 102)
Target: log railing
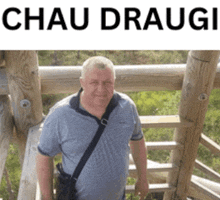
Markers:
point(129, 78)
point(211, 145)
point(64, 79)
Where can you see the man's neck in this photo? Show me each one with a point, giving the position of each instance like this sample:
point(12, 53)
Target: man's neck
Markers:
point(92, 109)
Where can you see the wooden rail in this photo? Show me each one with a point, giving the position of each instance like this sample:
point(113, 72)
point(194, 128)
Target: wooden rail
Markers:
point(64, 79)
point(208, 171)
point(205, 191)
point(165, 167)
point(215, 149)
point(28, 181)
point(211, 145)
point(202, 188)
point(128, 78)
point(153, 188)
point(212, 185)
point(164, 121)
point(166, 145)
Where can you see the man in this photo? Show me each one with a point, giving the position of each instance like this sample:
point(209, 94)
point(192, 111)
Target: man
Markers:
point(71, 125)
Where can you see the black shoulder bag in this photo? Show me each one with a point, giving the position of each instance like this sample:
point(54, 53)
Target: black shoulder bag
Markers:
point(66, 189)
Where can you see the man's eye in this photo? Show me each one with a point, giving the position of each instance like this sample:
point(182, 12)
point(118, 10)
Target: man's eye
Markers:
point(108, 83)
point(94, 83)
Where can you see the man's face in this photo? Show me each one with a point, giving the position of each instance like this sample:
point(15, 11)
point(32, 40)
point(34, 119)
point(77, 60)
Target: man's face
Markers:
point(98, 86)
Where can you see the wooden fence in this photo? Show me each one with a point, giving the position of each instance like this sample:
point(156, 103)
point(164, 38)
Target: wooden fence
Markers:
point(21, 77)
point(62, 79)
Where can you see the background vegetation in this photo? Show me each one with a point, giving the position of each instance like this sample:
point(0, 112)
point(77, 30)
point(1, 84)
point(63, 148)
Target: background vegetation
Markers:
point(148, 103)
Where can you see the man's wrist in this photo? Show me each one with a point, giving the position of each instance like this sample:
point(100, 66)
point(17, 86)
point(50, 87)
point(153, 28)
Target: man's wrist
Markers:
point(142, 178)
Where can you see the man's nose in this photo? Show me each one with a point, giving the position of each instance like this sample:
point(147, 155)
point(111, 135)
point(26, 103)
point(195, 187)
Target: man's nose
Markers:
point(101, 87)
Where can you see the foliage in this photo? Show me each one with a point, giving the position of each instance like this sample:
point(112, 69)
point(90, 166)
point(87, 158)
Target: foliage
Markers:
point(49, 100)
point(212, 125)
point(76, 58)
point(157, 103)
point(13, 166)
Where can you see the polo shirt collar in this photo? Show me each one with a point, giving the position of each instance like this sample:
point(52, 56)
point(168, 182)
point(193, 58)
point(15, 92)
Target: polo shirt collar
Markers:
point(75, 104)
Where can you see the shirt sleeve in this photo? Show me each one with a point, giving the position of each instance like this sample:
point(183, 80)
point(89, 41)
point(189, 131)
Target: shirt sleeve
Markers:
point(49, 144)
point(138, 133)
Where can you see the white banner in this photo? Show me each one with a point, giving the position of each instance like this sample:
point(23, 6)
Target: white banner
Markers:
point(103, 25)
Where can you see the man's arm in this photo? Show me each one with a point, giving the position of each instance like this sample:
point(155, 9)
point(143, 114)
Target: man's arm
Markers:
point(139, 154)
point(44, 166)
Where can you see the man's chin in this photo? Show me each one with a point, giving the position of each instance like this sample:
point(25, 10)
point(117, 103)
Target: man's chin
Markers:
point(102, 103)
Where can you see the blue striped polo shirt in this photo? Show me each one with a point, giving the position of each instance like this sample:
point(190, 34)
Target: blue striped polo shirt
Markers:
point(69, 129)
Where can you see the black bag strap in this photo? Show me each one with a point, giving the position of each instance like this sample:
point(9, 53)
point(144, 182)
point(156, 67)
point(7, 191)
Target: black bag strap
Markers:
point(102, 124)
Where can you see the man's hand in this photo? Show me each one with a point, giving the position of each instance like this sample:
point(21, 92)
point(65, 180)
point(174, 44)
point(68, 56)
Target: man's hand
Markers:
point(141, 188)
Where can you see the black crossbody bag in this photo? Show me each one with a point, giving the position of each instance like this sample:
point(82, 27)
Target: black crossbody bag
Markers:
point(66, 187)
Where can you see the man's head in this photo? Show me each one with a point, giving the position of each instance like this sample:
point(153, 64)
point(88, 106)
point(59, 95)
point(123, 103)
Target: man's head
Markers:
point(99, 62)
point(97, 80)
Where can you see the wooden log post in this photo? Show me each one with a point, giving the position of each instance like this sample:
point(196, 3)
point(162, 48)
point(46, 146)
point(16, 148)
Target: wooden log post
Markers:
point(24, 88)
point(197, 86)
